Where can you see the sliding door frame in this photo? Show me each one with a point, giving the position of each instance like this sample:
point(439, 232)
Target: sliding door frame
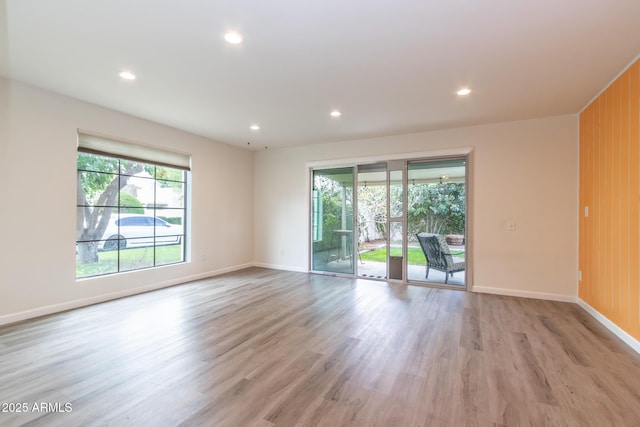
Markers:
point(354, 243)
point(463, 152)
point(467, 229)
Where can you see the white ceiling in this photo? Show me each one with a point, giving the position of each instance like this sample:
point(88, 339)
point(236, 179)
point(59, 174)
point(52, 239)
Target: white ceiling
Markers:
point(391, 66)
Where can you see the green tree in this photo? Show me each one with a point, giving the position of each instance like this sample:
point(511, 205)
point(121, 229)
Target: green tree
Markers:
point(332, 192)
point(98, 186)
point(437, 208)
point(169, 177)
point(372, 207)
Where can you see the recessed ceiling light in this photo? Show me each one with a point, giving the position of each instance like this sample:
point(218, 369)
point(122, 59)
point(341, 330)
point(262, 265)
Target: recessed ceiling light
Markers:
point(233, 37)
point(255, 127)
point(127, 75)
point(335, 113)
point(464, 91)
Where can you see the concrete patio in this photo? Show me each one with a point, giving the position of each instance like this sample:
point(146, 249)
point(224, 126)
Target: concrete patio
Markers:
point(415, 273)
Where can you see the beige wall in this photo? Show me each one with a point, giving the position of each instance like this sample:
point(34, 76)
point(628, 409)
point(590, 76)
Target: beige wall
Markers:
point(38, 132)
point(525, 171)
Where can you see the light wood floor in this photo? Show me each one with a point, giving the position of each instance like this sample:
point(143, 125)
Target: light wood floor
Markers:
point(267, 348)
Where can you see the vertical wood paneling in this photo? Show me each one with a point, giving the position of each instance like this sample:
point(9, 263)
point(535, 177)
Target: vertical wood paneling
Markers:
point(616, 211)
point(609, 244)
point(634, 191)
point(623, 191)
point(581, 182)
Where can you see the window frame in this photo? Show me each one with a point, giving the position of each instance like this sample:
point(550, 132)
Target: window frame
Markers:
point(151, 212)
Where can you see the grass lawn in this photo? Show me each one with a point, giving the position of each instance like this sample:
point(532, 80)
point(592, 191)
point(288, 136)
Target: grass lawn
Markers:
point(130, 259)
point(415, 255)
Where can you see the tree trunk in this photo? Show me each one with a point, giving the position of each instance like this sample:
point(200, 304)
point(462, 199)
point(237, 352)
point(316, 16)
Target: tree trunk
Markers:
point(93, 222)
point(88, 253)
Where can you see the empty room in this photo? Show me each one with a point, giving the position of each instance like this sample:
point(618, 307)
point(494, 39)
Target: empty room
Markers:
point(286, 213)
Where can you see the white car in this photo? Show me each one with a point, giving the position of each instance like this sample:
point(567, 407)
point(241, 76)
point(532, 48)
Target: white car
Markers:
point(133, 230)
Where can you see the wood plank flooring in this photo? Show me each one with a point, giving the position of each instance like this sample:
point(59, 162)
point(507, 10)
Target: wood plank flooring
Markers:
point(269, 348)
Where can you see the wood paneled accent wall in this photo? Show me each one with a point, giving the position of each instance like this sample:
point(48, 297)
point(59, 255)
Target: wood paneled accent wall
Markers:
point(609, 245)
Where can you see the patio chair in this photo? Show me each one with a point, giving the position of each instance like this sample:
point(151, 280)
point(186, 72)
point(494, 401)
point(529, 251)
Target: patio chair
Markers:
point(438, 255)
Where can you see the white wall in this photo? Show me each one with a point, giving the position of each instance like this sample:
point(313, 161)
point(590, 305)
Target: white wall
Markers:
point(525, 171)
point(38, 134)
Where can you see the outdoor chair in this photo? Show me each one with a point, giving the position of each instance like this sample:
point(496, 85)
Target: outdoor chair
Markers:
point(438, 255)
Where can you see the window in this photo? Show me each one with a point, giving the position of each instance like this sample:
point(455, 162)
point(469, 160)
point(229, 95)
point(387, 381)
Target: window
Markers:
point(131, 212)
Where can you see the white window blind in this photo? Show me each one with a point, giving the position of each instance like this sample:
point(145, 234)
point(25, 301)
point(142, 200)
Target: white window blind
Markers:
point(98, 144)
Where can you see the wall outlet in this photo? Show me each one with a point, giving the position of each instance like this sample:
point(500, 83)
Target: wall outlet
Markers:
point(579, 276)
point(586, 211)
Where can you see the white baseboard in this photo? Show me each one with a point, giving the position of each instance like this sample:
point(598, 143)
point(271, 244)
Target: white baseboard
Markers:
point(524, 294)
point(619, 332)
point(615, 329)
point(56, 308)
point(280, 267)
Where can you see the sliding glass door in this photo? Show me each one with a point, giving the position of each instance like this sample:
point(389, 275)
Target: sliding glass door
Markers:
point(332, 224)
point(372, 220)
point(436, 221)
point(395, 220)
point(380, 212)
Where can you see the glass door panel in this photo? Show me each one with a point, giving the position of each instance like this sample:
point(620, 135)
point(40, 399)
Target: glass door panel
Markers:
point(332, 230)
point(395, 194)
point(372, 221)
point(436, 221)
point(395, 250)
point(396, 221)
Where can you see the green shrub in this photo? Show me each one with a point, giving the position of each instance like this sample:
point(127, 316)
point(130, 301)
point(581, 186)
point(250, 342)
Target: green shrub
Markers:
point(132, 205)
